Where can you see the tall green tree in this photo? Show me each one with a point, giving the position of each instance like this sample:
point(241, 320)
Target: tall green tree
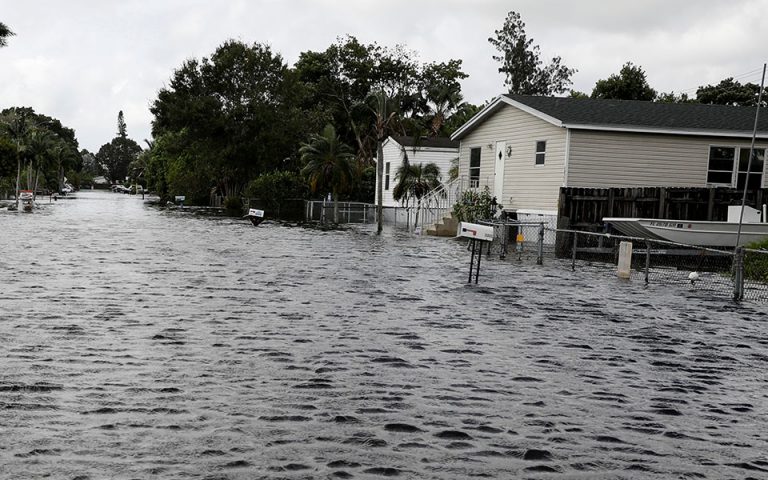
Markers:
point(442, 94)
point(5, 32)
point(34, 137)
point(229, 117)
point(328, 165)
point(629, 84)
point(524, 71)
point(730, 92)
point(115, 156)
point(122, 129)
point(414, 182)
point(386, 120)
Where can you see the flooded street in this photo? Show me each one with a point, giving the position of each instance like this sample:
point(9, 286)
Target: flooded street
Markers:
point(143, 343)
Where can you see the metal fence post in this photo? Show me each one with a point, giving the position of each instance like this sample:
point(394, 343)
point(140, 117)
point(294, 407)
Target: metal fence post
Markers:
point(738, 274)
point(540, 260)
point(647, 260)
point(573, 252)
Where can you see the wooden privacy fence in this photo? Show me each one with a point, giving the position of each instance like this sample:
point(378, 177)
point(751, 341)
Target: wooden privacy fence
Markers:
point(584, 208)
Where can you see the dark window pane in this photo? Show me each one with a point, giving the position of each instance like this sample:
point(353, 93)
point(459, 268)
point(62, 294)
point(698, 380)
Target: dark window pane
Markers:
point(719, 177)
point(474, 158)
point(755, 180)
point(757, 160)
point(541, 147)
point(722, 153)
point(726, 165)
point(539, 159)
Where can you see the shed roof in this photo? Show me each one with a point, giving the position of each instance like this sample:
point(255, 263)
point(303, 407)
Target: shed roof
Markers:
point(426, 142)
point(630, 115)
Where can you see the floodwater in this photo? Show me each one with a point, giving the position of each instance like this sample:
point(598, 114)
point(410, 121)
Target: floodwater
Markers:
point(143, 343)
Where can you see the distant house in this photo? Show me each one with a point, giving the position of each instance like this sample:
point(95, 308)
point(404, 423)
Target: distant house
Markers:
point(440, 151)
point(524, 148)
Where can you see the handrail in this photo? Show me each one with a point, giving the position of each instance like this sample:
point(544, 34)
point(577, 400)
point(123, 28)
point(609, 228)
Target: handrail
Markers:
point(439, 202)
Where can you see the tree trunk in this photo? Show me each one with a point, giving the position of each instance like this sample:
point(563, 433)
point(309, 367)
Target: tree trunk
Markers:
point(34, 190)
point(418, 209)
point(379, 185)
point(335, 207)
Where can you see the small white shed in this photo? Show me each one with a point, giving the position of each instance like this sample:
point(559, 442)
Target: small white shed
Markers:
point(441, 151)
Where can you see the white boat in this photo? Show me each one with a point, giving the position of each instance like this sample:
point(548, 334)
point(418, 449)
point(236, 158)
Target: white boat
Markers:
point(693, 232)
point(27, 200)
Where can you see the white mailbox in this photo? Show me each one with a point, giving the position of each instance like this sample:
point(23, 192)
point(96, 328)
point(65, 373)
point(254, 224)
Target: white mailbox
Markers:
point(476, 231)
point(252, 212)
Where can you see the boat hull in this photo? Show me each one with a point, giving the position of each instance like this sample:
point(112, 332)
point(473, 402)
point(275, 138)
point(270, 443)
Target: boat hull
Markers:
point(710, 234)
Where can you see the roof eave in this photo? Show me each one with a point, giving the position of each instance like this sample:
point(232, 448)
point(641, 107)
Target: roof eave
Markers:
point(493, 107)
point(666, 131)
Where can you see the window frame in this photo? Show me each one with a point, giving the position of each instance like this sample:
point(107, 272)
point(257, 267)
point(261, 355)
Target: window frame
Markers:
point(386, 176)
point(474, 178)
point(735, 171)
point(540, 153)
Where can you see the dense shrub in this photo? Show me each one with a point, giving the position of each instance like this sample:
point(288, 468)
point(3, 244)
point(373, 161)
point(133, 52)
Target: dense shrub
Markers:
point(756, 264)
point(233, 205)
point(274, 188)
point(474, 206)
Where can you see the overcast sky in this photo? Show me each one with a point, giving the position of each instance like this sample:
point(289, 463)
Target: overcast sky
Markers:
point(82, 61)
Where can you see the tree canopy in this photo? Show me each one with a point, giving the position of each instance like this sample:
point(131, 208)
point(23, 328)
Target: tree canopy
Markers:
point(45, 150)
point(115, 156)
point(5, 32)
point(729, 92)
point(227, 119)
point(524, 71)
point(629, 84)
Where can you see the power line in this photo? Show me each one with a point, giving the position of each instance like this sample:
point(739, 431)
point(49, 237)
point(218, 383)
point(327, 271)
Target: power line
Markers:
point(753, 73)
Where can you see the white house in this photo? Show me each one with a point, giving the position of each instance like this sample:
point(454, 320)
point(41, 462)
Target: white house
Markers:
point(524, 148)
point(440, 151)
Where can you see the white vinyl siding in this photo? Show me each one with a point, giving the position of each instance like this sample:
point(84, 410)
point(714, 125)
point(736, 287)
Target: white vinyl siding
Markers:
point(616, 159)
point(526, 185)
point(393, 156)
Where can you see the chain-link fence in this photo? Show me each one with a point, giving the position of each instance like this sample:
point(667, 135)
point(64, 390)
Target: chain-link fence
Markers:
point(740, 274)
point(347, 212)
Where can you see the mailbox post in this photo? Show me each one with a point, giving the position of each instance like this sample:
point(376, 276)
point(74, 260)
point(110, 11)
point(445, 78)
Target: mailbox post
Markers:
point(478, 235)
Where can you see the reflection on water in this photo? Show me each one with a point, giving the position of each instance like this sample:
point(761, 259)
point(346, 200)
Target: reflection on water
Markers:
point(143, 343)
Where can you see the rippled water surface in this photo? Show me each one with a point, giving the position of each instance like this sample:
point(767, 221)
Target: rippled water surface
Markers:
point(141, 343)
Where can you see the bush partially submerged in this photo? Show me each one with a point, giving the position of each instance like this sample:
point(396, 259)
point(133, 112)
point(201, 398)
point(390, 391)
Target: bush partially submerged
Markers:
point(474, 206)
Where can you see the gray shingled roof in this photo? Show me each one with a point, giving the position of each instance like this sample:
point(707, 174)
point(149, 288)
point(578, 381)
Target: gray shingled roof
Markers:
point(633, 113)
point(425, 142)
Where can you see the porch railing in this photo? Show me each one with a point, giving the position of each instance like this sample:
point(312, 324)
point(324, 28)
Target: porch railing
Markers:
point(440, 201)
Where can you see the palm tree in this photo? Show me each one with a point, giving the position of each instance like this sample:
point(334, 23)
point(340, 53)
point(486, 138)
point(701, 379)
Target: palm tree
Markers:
point(5, 32)
point(328, 164)
point(414, 182)
point(65, 157)
point(442, 100)
point(385, 116)
point(41, 146)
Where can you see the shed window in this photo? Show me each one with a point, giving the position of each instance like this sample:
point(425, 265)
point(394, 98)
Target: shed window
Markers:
point(541, 150)
point(386, 176)
point(474, 167)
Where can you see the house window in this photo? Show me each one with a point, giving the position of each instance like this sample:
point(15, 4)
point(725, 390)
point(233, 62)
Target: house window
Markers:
point(474, 167)
point(721, 162)
point(755, 170)
point(728, 165)
point(541, 150)
point(386, 176)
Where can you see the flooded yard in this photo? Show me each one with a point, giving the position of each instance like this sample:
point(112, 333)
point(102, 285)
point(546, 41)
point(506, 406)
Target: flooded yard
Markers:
point(146, 343)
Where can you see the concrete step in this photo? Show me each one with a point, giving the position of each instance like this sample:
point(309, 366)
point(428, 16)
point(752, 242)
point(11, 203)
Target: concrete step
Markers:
point(445, 228)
